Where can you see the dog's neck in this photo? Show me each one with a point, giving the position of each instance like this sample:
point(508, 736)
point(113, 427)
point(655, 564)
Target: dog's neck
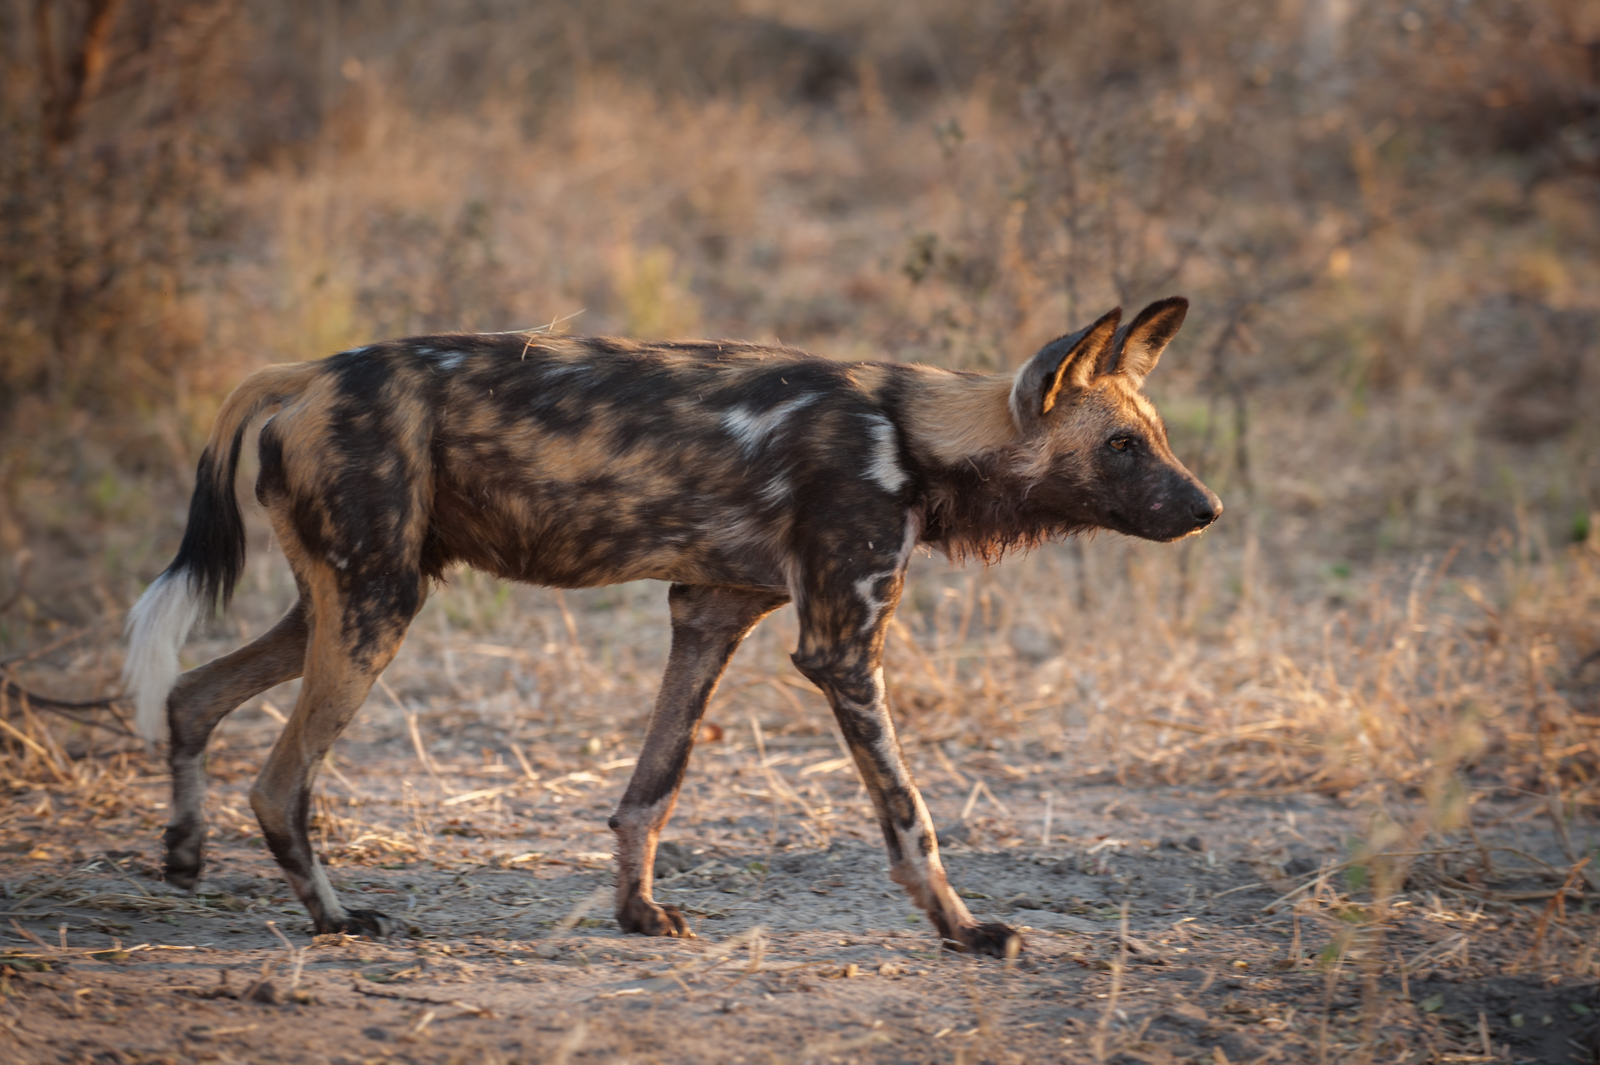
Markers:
point(972, 456)
point(951, 418)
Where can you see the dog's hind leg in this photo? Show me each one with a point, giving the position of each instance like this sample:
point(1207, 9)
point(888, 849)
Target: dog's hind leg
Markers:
point(707, 626)
point(200, 699)
point(357, 625)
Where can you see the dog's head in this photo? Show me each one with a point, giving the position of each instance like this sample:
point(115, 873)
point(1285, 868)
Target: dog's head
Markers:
point(1095, 451)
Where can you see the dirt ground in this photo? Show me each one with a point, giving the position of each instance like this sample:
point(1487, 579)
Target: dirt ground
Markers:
point(1155, 922)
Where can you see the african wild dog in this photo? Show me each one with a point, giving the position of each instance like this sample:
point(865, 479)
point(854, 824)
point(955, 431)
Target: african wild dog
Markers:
point(748, 476)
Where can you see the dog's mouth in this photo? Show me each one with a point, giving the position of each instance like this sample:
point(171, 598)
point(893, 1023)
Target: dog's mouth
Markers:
point(1157, 531)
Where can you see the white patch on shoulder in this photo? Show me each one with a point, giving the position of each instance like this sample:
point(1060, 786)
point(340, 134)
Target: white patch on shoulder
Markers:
point(885, 467)
point(449, 360)
point(158, 625)
point(752, 428)
point(867, 587)
point(866, 591)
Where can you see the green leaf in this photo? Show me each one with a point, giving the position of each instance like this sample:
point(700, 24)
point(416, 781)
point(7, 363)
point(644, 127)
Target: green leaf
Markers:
point(22, 963)
point(1579, 1008)
point(1432, 1003)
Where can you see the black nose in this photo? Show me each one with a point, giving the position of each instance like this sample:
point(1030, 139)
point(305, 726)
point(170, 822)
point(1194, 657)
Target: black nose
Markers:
point(1207, 511)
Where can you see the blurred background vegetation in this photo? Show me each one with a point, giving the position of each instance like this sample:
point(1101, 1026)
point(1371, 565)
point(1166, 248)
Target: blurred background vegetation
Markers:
point(1384, 212)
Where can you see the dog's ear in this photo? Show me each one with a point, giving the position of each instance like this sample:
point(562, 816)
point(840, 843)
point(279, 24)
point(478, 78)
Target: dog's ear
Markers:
point(1140, 343)
point(1066, 363)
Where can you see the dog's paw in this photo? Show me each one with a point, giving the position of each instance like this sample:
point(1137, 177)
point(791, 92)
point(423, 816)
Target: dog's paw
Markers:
point(359, 923)
point(995, 939)
point(182, 876)
point(646, 918)
point(185, 857)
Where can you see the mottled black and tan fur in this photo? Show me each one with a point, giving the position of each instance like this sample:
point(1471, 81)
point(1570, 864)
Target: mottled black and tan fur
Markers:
point(748, 476)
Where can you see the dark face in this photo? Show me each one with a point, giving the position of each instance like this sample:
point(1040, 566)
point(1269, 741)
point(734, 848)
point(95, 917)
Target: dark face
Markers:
point(1110, 467)
point(1099, 454)
point(1140, 487)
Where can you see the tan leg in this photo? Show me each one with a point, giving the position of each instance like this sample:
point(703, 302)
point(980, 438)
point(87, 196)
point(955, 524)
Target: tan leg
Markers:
point(355, 632)
point(707, 627)
point(198, 703)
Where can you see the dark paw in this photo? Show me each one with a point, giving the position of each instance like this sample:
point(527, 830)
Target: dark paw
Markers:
point(359, 923)
point(995, 940)
point(646, 918)
point(185, 858)
point(181, 876)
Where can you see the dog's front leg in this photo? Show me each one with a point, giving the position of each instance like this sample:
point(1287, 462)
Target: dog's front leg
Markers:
point(842, 626)
point(707, 627)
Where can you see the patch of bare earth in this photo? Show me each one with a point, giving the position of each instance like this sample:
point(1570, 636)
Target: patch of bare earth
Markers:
point(1162, 924)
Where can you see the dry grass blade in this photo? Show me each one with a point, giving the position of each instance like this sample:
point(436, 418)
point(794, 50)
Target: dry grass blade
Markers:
point(550, 943)
point(29, 936)
point(570, 1043)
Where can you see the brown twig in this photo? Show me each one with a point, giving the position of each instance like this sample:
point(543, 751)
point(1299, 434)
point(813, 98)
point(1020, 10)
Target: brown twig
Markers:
point(64, 707)
point(1556, 908)
point(422, 1000)
point(66, 97)
point(17, 691)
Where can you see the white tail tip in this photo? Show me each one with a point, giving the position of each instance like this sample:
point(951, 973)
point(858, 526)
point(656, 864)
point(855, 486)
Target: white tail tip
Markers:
point(158, 625)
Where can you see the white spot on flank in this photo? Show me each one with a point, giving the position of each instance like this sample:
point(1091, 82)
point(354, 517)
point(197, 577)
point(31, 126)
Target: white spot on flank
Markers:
point(449, 360)
point(752, 428)
point(742, 531)
point(885, 468)
point(776, 491)
point(157, 626)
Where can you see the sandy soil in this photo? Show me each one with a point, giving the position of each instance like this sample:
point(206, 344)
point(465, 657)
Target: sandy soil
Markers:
point(804, 950)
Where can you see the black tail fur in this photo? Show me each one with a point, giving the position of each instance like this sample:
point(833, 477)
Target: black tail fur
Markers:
point(213, 549)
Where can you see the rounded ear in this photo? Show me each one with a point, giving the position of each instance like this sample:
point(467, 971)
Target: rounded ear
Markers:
point(1068, 362)
point(1140, 343)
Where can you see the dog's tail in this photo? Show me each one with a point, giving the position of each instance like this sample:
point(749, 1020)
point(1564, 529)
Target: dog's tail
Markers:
point(211, 556)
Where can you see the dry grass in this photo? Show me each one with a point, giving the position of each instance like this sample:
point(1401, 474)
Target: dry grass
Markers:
point(511, 701)
point(1414, 696)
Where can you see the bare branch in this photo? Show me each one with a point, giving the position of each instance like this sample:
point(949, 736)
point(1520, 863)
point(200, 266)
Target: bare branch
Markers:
point(66, 100)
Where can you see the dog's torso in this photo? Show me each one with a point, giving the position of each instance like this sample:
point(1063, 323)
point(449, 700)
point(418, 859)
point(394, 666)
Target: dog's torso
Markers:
point(584, 462)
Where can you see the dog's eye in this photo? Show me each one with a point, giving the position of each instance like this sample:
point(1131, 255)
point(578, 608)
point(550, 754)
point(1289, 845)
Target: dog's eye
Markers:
point(1121, 443)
